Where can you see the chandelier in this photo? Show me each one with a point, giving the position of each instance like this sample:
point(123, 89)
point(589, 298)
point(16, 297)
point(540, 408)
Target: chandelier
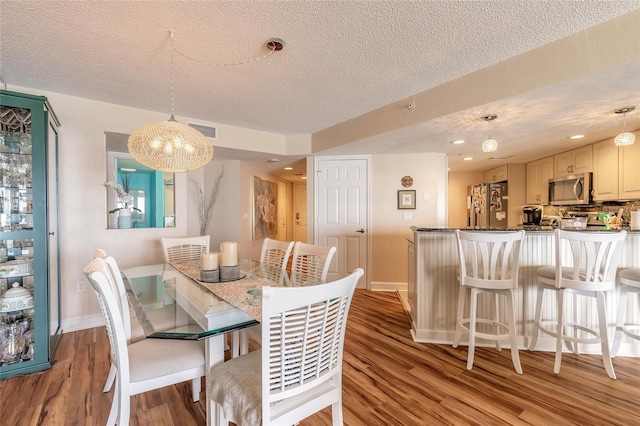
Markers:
point(489, 145)
point(171, 146)
point(625, 138)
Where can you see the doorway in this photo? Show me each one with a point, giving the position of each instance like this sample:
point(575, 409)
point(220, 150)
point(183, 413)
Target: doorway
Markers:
point(342, 212)
point(300, 212)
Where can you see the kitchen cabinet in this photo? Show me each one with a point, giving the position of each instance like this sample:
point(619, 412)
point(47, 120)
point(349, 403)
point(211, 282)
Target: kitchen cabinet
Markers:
point(29, 292)
point(578, 160)
point(538, 174)
point(605, 171)
point(498, 174)
point(629, 171)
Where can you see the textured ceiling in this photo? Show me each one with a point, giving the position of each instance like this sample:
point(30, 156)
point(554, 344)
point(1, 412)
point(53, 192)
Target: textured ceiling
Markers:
point(341, 59)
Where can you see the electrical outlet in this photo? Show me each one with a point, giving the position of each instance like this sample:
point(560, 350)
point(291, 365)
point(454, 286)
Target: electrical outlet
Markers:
point(79, 286)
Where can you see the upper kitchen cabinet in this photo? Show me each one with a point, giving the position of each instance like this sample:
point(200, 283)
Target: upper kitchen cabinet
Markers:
point(498, 174)
point(629, 171)
point(29, 272)
point(538, 174)
point(605, 171)
point(578, 160)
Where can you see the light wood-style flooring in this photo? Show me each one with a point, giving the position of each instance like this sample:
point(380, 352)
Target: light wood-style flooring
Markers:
point(388, 380)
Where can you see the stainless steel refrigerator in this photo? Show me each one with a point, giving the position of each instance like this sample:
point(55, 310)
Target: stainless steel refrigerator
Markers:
point(487, 205)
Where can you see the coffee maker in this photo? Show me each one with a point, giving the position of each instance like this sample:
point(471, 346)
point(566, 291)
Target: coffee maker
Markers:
point(531, 215)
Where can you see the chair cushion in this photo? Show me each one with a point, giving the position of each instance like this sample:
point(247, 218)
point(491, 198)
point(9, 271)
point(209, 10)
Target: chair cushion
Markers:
point(148, 358)
point(236, 386)
point(631, 274)
point(548, 273)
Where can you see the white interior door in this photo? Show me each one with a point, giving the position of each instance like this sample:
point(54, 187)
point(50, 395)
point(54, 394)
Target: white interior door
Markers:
point(300, 211)
point(342, 213)
point(282, 211)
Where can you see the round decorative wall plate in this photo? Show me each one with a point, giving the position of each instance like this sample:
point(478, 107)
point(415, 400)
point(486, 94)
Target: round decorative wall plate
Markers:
point(406, 181)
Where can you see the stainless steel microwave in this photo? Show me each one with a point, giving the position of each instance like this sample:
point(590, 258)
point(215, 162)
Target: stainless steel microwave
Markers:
point(570, 190)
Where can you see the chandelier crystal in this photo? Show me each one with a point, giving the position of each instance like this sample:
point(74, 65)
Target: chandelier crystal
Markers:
point(625, 138)
point(170, 146)
point(490, 145)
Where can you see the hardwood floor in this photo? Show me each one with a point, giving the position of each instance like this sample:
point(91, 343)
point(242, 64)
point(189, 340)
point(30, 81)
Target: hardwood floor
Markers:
point(388, 380)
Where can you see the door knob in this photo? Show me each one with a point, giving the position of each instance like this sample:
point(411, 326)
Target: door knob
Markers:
point(360, 231)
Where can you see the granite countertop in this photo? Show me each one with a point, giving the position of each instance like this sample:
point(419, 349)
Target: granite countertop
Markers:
point(527, 228)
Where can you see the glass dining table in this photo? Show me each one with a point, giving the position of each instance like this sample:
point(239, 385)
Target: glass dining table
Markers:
point(172, 303)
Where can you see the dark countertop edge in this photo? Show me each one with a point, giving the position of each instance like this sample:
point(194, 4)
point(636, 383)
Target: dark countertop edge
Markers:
point(527, 229)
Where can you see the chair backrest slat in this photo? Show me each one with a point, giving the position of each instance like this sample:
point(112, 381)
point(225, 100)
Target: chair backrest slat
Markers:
point(587, 260)
point(99, 276)
point(184, 249)
point(489, 259)
point(275, 255)
point(303, 331)
point(310, 263)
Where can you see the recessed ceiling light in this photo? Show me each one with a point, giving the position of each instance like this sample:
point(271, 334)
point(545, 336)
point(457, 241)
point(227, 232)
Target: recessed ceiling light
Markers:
point(576, 137)
point(467, 158)
point(288, 168)
point(273, 160)
point(458, 142)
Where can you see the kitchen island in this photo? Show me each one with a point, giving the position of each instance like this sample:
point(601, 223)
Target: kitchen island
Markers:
point(433, 288)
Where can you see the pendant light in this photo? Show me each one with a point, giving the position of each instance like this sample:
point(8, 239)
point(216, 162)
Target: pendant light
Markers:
point(489, 145)
point(625, 138)
point(170, 146)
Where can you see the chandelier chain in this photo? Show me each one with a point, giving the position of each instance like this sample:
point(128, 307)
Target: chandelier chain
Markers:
point(171, 36)
point(272, 48)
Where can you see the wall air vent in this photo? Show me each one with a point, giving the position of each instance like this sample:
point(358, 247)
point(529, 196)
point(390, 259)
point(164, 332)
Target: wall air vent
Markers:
point(207, 131)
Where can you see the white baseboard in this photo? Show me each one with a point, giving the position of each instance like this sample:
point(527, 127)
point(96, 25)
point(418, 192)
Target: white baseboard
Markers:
point(388, 286)
point(79, 323)
point(545, 344)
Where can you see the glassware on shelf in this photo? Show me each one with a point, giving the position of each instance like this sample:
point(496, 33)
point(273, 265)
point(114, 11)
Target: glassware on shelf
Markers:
point(13, 347)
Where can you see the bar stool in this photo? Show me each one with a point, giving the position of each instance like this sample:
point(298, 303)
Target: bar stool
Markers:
point(629, 282)
point(586, 265)
point(489, 262)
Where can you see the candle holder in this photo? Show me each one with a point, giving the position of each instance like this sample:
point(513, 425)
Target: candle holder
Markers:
point(212, 276)
point(229, 273)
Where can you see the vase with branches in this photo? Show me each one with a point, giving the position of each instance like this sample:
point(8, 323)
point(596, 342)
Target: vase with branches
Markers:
point(204, 204)
point(124, 199)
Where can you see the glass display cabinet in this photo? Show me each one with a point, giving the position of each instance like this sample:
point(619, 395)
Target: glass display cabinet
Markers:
point(29, 274)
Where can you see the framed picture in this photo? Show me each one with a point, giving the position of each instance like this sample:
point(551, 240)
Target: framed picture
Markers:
point(264, 199)
point(407, 199)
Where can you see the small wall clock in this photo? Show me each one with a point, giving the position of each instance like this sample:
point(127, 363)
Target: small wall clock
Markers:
point(406, 181)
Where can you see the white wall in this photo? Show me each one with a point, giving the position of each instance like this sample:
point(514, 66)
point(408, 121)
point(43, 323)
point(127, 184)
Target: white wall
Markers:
point(389, 228)
point(83, 206)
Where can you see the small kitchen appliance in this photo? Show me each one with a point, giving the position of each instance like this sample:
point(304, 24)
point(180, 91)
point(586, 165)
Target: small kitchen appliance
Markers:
point(531, 215)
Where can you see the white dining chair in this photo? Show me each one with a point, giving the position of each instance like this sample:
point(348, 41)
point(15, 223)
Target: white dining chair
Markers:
point(298, 371)
point(276, 254)
point(310, 264)
point(144, 365)
point(183, 249)
point(586, 265)
point(132, 328)
point(274, 257)
point(629, 283)
point(489, 263)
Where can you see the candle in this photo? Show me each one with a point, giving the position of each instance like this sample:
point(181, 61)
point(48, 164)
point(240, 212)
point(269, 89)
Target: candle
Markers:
point(209, 261)
point(229, 253)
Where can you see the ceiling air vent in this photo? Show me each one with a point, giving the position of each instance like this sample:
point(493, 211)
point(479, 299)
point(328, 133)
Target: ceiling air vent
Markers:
point(207, 131)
